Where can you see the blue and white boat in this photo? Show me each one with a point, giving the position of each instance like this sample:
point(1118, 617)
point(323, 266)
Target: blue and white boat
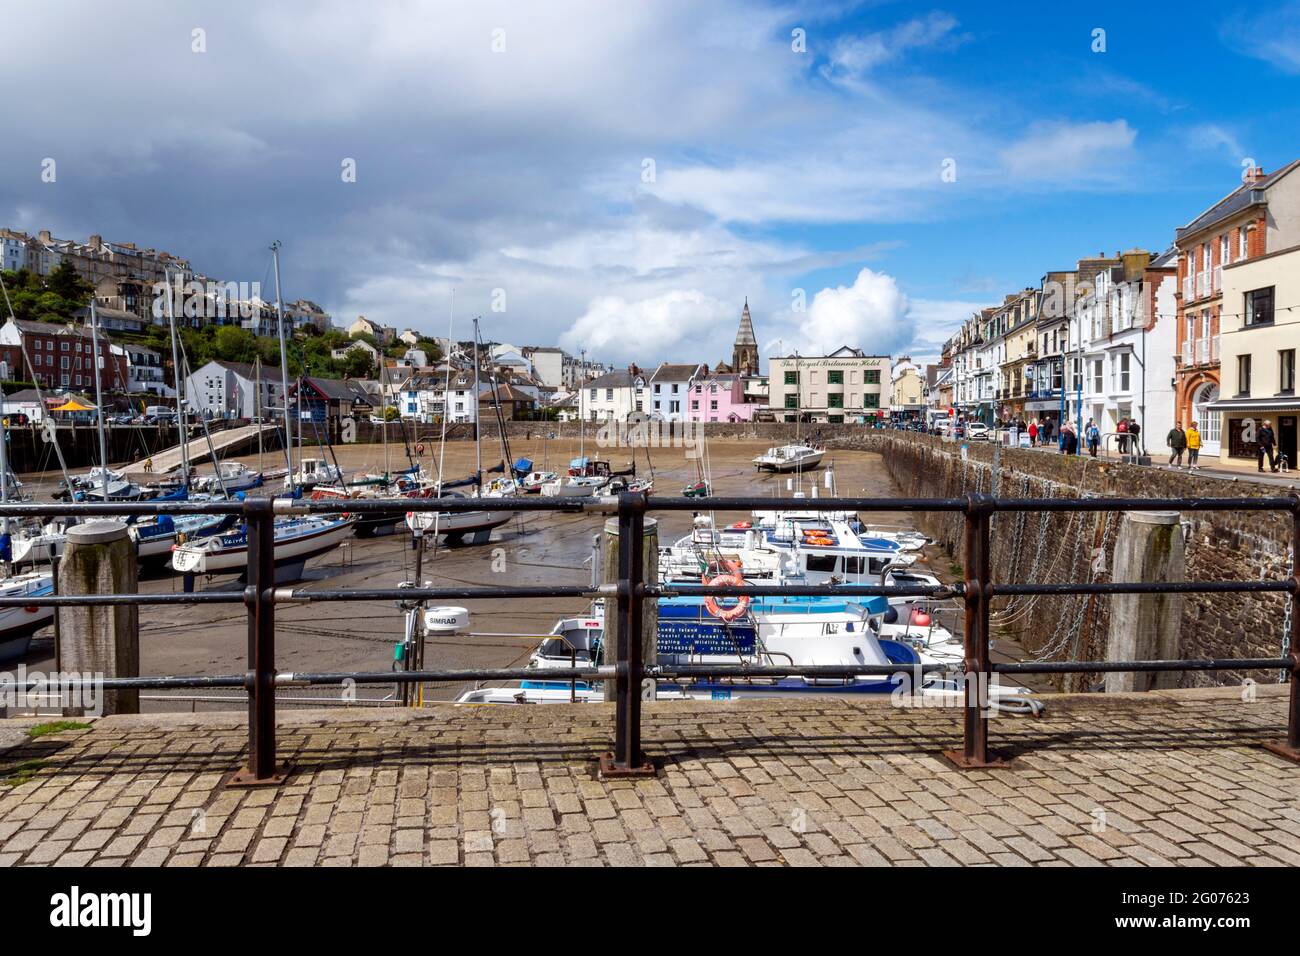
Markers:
point(17, 624)
point(296, 541)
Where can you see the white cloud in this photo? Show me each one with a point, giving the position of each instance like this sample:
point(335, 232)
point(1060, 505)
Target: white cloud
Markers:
point(871, 314)
point(853, 57)
point(1082, 153)
point(1216, 138)
point(1272, 36)
point(670, 324)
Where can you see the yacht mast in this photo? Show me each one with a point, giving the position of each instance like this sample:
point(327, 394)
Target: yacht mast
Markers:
point(478, 445)
point(284, 364)
point(182, 433)
point(99, 397)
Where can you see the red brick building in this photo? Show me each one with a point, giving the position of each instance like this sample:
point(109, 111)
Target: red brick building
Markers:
point(61, 356)
point(1260, 216)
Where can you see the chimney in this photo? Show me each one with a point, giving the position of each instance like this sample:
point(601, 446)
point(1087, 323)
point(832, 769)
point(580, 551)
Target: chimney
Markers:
point(1254, 174)
point(95, 242)
point(45, 236)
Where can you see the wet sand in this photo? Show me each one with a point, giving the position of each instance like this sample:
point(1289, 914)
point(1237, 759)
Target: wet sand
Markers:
point(533, 549)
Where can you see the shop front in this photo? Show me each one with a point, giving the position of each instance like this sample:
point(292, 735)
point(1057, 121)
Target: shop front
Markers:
point(1240, 422)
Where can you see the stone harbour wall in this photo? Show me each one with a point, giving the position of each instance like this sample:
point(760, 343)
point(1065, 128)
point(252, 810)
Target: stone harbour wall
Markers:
point(1039, 547)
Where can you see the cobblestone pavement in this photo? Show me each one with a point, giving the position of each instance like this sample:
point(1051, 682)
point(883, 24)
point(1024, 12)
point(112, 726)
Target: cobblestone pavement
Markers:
point(1128, 780)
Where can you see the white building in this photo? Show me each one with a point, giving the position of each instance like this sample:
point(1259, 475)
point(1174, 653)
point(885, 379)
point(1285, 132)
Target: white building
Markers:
point(427, 394)
point(144, 370)
point(229, 390)
point(614, 396)
point(845, 386)
point(548, 366)
point(669, 387)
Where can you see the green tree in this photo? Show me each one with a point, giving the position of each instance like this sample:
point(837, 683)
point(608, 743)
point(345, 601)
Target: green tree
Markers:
point(65, 283)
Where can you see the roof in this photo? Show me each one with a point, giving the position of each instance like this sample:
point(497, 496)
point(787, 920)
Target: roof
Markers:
point(619, 378)
point(27, 395)
point(1243, 197)
point(505, 393)
point(336, 389)
point(675, 373)
point(241, 369)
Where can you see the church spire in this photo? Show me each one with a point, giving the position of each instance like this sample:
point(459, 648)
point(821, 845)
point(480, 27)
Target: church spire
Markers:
point(744, 356)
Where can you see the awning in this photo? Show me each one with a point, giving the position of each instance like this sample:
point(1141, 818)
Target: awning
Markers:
point(72, 405)
point(1043, 406)
point(1254, 405)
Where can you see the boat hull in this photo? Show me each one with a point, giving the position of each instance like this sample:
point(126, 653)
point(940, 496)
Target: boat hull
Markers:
point(232, 558)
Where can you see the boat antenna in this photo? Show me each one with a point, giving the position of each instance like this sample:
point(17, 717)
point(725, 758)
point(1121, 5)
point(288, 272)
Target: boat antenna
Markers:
point(99, 397)
point(182, 433)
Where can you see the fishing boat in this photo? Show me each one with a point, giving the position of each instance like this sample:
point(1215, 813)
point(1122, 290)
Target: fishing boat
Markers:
point(792, 457)
point(17, 624)
point(297, 540)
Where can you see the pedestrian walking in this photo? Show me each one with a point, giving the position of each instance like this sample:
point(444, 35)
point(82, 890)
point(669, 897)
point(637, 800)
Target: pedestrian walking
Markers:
point(1193, 445)
point(1069, 440)
point(1122, 431)
point(1092, 436)
point(1033, 433)
point(1266, 442)
point(1135, 435)
point(1177, 442)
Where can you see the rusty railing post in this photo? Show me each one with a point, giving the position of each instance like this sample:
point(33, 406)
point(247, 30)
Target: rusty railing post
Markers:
point(978, 675)
point(627, 758)
point(259, 598)
point(1290, 748)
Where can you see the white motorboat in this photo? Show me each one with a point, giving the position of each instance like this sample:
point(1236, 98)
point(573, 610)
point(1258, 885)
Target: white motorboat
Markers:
point(234, 476)
point(296, 541)
point(455, 526)
point(17, 624)
point(533, 482)
point(792, 457)
point(574, 486)
point(38, 545)
point(314, 471)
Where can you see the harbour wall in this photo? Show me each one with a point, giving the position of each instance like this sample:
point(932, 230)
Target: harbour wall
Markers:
point(1042, 547)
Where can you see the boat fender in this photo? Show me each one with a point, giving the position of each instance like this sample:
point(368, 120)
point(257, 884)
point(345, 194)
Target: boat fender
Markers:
point(920, 618)
point(732, 577)
point(419, 448)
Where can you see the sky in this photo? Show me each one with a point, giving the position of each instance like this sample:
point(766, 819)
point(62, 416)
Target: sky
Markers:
point(620, 177)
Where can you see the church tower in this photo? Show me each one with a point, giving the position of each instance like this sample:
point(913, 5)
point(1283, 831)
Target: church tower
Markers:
point(744, 355)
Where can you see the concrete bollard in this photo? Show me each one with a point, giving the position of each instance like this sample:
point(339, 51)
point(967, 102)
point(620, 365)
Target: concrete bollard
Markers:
point(1149, 548)
point(650, 608)
point(100, 559)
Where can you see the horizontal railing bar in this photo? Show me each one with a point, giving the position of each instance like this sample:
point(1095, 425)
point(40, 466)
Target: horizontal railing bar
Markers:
point(1121, 667)
point(283, 595)
point(609, 503)
point(1146, 587)
point(605, 672)
point(93, 600)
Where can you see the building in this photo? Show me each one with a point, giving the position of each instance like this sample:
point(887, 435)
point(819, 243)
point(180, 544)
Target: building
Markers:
point(410, 337)
point(1122, 349)
point(144, 371)
point(907, 390)
point(324, 401)
point(515, 405)
point(341, 353)
point(223, 389)
point(95, 259)
point(61, 356)
point(721, 397)
point(1260, 216)
point(669, 386)
point(744, 353)
point(614, 396)
point(382, 334)
point(1019, 352)
point(548, 365)
point(845, 386)
point(1259, 334)
point(427, 393)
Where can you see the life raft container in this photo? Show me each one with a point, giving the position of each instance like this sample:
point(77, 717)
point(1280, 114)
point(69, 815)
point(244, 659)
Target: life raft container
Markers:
point(733, 578)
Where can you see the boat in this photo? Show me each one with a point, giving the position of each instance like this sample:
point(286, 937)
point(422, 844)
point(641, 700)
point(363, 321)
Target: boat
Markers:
point(17, 624)
point(297, 540)
point(38, 545)
point(792, 457)
point(230, 476)
point(697, 489)
point(312, 472)
point(532, 483)
point(155, 535)
point(456, 526)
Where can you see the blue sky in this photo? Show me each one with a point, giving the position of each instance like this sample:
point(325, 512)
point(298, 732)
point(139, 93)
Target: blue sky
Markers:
point(503, 150)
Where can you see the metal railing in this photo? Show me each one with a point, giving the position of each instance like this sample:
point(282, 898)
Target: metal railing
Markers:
point(629, 592)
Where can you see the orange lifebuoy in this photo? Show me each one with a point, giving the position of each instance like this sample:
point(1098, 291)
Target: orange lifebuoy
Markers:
point(733, 578)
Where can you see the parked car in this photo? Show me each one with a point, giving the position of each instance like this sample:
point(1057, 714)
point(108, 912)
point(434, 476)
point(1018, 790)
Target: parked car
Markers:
point(977, 430)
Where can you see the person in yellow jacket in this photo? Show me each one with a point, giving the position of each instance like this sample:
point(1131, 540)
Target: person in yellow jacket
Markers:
point(1193, 445)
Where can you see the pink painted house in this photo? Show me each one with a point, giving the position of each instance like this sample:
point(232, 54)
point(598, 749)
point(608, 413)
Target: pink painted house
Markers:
point(719, 398)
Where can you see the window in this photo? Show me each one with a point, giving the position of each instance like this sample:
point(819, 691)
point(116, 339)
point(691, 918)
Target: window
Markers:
point(792, 378)
point(609, 394)
point(656, 388)
point(792, 401)
point(1224, 251)
point(1097, 376)
point(1124, 362)
point(1241, 243)
point(871, 400)
point(1076, 374)
point(1286, 371)
point(593, 394)
point(1243, 374)
point(696, 405)
point(713, 405)
point(1259, 307)
point(873, 376)
point(835, 378)
point(835, 400)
